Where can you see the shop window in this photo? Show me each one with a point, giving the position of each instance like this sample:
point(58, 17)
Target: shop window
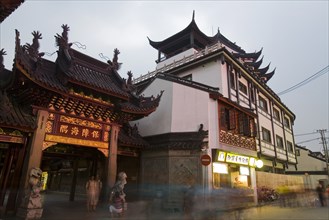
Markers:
point(263, 104)
point(276, 114)
point(266, 135)
point(279, 141)
point(220, 168)
point(243, 88)
point(216, 180)
point(220, 174)
point(244, 171)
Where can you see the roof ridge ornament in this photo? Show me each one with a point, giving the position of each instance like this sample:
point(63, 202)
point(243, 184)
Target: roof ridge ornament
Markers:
point(128, 85)
point(33, 49)
point(2, 53)
point(62, 41)
point(114, 64)
point(193, 15)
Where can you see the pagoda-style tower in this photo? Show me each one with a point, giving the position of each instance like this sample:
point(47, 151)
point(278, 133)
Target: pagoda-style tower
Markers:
point(193, 38)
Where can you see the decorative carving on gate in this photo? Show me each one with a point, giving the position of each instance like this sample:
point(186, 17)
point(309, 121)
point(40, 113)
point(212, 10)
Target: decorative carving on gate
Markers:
point(47, 144)
point(81, 122)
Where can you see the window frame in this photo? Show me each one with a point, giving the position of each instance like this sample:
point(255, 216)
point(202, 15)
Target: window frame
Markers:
point(290, 147)
point(279, 142)
point(297, 152)
point(268, 134)
point(252, 95)
point(263, 104)
point(243, 88)
point(232, 80)
point(286, 122)
point(276, 114)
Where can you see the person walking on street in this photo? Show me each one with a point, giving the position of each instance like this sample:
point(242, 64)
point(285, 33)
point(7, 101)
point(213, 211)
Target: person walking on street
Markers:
point(320, 191)
point(116, 203)
point(93, 188)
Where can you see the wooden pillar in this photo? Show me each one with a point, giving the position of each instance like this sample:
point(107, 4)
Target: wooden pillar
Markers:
point(112, 158)
point(6, 172)
point(35, 154)
point(12, 198)
point(74, 179)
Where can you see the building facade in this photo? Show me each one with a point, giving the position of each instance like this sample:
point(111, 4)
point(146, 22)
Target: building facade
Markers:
point(311, 166)
point(246, 122)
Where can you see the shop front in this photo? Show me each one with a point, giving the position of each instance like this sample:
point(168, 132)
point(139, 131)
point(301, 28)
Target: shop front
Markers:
point(232, 170)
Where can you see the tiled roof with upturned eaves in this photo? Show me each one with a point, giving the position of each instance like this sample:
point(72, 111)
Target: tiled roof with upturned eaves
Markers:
point(74, 73)
point(12, 115)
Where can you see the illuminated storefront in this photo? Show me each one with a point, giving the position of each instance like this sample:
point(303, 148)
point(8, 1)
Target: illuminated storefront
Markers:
point(233, 170)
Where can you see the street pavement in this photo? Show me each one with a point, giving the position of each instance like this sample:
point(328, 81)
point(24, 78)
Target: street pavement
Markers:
point(57, 207)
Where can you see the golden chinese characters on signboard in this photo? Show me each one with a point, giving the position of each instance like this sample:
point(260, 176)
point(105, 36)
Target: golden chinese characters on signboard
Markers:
point(70, 130)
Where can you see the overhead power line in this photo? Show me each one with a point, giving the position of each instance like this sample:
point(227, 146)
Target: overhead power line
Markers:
point(309, 79)
point(296, 135)
point(308, 140)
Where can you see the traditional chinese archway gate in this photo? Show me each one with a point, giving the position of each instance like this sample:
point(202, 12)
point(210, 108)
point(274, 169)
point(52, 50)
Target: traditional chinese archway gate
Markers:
point(76, 101)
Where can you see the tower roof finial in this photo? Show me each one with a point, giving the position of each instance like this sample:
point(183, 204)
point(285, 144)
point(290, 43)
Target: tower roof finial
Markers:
point(193, 15)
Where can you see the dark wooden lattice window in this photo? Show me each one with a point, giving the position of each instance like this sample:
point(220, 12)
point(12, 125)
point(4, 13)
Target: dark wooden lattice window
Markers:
point(253, 128)
point(232, 119)
point(224, 117)
point(245, 125)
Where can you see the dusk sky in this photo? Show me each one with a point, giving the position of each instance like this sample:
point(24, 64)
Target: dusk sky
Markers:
point(293, 35)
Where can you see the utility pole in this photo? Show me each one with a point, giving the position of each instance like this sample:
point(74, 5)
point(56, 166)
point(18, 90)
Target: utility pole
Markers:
point(325, 148)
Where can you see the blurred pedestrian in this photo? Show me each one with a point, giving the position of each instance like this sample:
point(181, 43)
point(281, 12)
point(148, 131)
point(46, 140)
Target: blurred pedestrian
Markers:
point(189, 199)
point(320, 191)
point(116, 203)
point(93, 188)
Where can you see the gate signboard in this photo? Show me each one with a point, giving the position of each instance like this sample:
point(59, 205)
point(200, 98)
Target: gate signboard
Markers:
point(72, 130)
